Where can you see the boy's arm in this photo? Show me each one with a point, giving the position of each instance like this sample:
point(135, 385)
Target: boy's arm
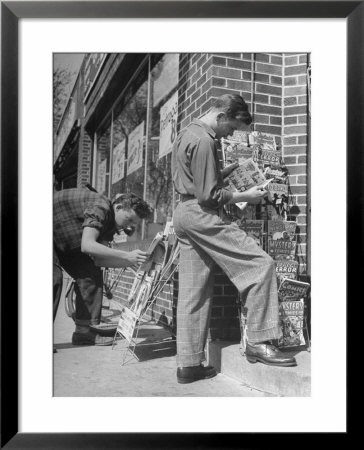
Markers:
point(108, 257)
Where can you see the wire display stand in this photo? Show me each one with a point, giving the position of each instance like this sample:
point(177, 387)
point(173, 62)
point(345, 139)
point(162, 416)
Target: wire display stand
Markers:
point(147, 286)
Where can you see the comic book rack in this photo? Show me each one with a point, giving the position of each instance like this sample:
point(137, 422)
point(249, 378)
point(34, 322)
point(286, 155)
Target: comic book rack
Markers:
point(274, 231)
point(149, 282)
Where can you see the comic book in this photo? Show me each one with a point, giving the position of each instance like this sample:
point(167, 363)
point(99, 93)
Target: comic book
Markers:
point(253, 228)
point(265, 140)
point(291, 315)
point(292, 290)
point(266, 156)
point(282, 249)
point(280, 175)
point(246, 176)
point(241, 136)
point(286, 269)
point(234, 150)
point(281, 229)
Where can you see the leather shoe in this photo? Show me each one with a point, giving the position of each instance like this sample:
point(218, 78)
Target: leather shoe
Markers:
point(194, 373)
point(268, 354)
point(104, 329)
point(90, 338)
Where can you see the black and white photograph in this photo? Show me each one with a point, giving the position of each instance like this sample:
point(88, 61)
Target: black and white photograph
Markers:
point(181, 224)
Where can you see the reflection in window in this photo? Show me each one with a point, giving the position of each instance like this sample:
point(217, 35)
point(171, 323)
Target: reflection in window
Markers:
point(103, 159)
point(162, 133)
point(129, 141)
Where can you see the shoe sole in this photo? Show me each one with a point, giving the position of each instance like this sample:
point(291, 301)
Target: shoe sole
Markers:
point(92, 343)
point(191, 380)
point(253, 360)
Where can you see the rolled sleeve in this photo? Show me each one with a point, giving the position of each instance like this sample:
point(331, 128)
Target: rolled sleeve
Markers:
point(206, 175)
point(95, 216)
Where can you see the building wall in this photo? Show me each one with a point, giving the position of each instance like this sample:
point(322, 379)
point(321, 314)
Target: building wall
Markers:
point(275, 87)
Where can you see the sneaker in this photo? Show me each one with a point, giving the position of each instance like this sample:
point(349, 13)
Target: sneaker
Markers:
point(90, 338)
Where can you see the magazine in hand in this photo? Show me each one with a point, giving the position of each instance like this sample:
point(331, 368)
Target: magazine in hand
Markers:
point(246, 176)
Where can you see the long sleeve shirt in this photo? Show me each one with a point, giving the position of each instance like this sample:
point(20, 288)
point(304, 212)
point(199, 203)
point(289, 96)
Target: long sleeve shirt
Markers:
point(195, 166)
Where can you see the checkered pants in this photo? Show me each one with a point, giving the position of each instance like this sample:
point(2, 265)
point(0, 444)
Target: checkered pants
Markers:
point(205, 239)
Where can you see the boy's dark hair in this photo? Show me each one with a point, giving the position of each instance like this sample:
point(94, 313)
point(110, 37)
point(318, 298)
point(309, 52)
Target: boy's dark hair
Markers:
point(234, 107)
point(132, 201)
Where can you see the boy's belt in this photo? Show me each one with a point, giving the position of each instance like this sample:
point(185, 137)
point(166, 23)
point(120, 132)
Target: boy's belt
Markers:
point(185, 197)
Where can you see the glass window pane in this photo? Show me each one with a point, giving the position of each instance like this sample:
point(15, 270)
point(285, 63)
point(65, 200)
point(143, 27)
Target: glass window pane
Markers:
point(103, 159)
point(163, 131)
point(129, 129)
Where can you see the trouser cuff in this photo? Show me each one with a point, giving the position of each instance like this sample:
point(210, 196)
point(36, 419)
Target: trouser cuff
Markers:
point(264, 335)
point(190, 360)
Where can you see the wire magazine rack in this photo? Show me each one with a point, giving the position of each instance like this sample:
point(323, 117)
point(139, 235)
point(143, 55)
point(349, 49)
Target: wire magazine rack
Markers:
point(150, 280)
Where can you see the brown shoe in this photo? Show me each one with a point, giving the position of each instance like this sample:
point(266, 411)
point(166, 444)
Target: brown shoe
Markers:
point(268, 354)
point(90, 338)
point(194, 373)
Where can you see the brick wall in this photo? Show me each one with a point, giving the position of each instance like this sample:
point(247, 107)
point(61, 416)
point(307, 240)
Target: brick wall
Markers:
point(275, 87)
point(295, 145)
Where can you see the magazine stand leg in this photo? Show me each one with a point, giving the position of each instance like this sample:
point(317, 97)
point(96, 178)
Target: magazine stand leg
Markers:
point(308, 347)
point(133, 343)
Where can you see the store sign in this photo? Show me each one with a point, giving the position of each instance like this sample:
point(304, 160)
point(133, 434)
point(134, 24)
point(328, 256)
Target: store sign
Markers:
point(165, 76)
point(135, 148)
point(168, 125)
point(68, 121)
point(101, 177)
point(92, 68)
point(118, 163)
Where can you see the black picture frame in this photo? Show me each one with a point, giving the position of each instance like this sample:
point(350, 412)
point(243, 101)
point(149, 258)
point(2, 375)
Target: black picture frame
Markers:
point(11, 12)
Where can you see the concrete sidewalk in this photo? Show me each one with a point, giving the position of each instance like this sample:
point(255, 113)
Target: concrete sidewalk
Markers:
point(91, 371)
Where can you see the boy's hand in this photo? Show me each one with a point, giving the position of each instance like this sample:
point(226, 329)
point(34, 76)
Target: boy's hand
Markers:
point(137, 257)
point(255, 194)
point(228, 169)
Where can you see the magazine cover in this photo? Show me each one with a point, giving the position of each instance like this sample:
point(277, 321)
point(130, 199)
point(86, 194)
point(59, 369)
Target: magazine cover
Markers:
point(253, 228)
point(265, 140)
point(292, 290)
point(235, 150)
point(266, 156)
point(287, 269)
point(241, 136)
point(282, 249)
point(281, 229)
point(246, 175)
point(280, 175)
point(291, 316)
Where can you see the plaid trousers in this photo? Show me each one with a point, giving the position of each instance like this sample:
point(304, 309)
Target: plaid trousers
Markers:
point(206, 239)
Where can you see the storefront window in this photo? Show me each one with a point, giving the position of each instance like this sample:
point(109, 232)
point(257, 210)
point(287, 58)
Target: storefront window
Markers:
point(162, 133)
point(138, 136)
point(103, 159)
point(129, 131)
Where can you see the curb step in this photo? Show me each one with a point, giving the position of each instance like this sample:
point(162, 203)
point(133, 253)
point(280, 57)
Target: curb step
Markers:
point(225, 356)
